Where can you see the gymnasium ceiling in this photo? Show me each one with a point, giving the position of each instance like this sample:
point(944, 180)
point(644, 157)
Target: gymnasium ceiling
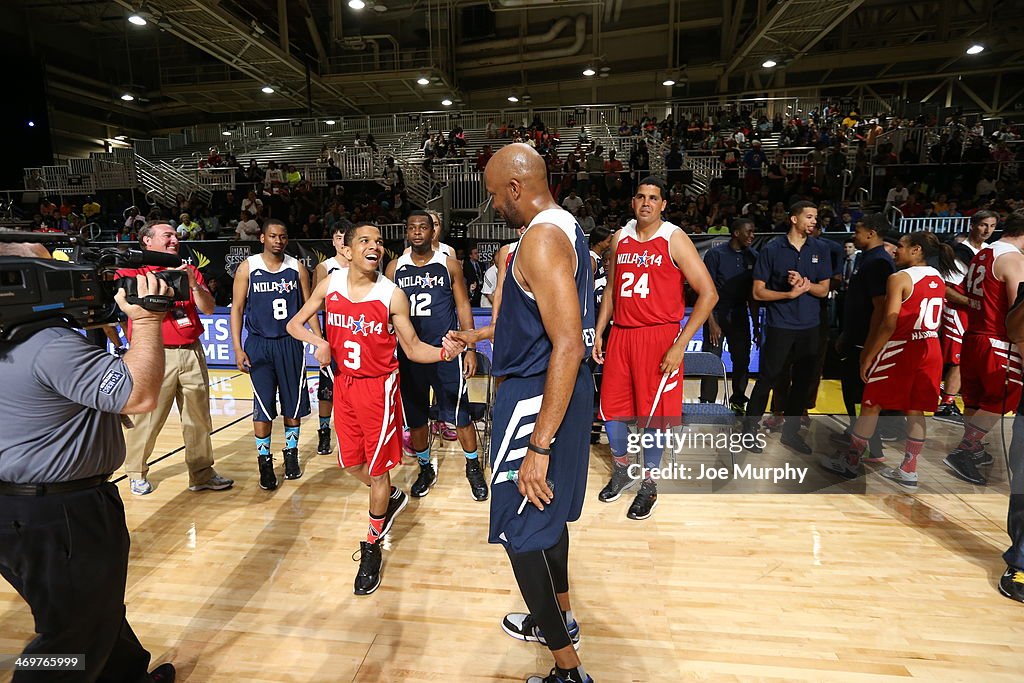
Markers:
point(207, 60)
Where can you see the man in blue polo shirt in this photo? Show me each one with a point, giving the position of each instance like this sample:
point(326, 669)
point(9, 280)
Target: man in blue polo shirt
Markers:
point(791, 275)
point(731, 265)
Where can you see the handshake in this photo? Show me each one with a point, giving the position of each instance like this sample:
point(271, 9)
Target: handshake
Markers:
point(453, 343)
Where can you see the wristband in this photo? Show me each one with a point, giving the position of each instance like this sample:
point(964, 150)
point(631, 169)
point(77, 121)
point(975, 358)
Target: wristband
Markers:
point(537, 449)
point(444, 358)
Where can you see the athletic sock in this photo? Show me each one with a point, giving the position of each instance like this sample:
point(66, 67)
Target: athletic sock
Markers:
point(568, 616)
point(618, 435)
point(858, 444)
point(948, 399)
point(291, 437)
point(652, 454)
point(263, 445)
point(424, 456)
point(325, 422)
point(914, 447)
point(376, 528)
point(973, 436)
point(471, 456)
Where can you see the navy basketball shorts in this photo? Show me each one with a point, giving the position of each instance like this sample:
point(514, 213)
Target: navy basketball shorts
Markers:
point(325, 387)
point(450, 389)
point(277, 367)
point(515, 522)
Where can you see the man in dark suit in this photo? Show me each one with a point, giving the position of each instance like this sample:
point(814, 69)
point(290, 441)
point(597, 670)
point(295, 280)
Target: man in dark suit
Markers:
point(473, 271)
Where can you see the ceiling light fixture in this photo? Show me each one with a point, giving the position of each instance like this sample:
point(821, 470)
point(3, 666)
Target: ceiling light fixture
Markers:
point(137, 19)
point(589, 71)
point(423, 80)
point(668, 82)
point(128, 97)
point(512, 98)
point(446, 102)
point(267, 89)
point(975, 49)
point(356, 4)
point(226, 132)
point(769, 63)
point(330, 122)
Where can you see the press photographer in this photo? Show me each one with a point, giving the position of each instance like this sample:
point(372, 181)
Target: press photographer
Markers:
point(63, 539)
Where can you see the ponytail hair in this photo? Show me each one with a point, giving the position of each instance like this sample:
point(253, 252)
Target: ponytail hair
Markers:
point(936, 254)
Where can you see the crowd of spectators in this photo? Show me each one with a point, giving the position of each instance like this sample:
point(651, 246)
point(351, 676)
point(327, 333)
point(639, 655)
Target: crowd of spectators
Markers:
point(960, 167)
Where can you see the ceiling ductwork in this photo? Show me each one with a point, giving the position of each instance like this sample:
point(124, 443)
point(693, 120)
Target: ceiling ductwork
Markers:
point(573, 49)
point(509, 43)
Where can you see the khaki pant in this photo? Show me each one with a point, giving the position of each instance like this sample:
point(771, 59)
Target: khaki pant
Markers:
point(186, 383)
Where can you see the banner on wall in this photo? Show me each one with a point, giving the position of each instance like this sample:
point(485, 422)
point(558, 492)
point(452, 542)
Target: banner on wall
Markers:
point(220, 351)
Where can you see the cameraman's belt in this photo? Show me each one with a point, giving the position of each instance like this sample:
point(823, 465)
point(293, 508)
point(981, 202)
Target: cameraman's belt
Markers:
point(7, 489)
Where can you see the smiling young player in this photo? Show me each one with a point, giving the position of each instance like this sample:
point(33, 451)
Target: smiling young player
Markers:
point(367, 318)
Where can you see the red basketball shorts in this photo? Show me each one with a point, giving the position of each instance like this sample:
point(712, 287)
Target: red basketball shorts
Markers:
point(633, 386)
point(951, 334)
point(905, 376)
point(990, 374)
point(368, 419)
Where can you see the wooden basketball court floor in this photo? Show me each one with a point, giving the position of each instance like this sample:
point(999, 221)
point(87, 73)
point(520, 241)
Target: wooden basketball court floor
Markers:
point(249, 585)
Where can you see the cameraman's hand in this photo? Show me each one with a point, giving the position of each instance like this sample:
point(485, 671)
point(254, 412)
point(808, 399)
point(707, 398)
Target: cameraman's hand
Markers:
point(191, 274)
point(148, 284)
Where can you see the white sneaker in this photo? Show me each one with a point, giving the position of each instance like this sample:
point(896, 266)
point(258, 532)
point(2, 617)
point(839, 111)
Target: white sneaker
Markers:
point(907, 480)
point(141, 487)
point(214, 483)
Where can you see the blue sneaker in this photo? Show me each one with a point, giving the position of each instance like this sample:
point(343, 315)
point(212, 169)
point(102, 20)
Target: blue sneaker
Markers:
point(521, 626)
point(141, 487)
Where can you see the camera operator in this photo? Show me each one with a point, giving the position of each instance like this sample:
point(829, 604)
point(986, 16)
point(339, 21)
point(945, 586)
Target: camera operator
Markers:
point(63, 539)
point(185, 381)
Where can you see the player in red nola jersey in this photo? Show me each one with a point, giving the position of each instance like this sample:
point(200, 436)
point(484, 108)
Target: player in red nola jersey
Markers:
point(901, 364)
point(367, 316)
point(649, 262)
point(990, 365)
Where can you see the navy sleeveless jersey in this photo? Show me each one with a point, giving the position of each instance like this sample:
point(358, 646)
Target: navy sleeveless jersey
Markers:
point(600, 279)
point(274, 297)
point(521, 345)
point(431, 299)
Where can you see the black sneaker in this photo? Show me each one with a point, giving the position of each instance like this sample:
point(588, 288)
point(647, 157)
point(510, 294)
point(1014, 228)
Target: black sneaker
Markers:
point(368, 576)
point(323, 444)
point(961, 462)
point(553, 677)
point(396, 503)
point(268, 480)
point(164, 673)
point(521, 626)
point(427, 478)
point(797, 443)
point(982, 458)
point(645, 501)
point(750, 441)
point(291, 464)
point(1011, 584)
point(475, 475)
point(738, 409)
point(949, 412)
point(619, 482)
